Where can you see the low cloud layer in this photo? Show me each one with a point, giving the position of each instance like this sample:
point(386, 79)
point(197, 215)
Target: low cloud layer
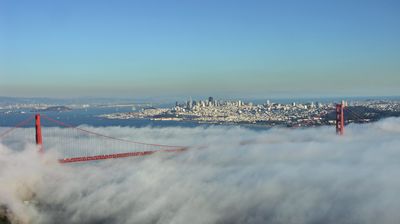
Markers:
point(230, 175)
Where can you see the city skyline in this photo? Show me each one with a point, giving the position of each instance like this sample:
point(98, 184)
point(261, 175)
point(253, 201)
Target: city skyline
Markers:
point(154, 48)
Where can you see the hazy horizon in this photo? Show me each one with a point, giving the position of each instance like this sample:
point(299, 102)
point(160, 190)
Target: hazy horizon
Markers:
point(157, 48)
point(179, 98)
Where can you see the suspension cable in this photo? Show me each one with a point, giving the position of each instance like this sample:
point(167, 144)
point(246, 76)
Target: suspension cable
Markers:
point(105, 136)
point(20, 124)
point(355, 114)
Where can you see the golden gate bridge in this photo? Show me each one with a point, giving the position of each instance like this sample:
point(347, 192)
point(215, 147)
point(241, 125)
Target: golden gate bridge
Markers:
point(83, 148)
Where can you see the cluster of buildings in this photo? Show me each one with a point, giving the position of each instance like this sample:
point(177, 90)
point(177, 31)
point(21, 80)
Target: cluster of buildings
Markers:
point(215, 111)
point(228, 112)
point(266, 114)
point(379, 105)
point(192, 105)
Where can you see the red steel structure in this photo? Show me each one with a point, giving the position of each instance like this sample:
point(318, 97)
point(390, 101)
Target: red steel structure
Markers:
point(109, 151)
point(117, 155)
point(340, 118)
point(39, 140)
point(147, 149)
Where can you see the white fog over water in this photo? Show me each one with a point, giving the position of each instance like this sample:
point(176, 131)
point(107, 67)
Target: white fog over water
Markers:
point(229, 175)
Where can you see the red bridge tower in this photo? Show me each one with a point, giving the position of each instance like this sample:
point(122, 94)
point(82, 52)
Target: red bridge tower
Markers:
point(340, 118)
point(39, 141)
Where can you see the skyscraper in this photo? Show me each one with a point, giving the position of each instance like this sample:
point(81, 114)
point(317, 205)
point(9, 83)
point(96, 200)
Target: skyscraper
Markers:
point(210, 101)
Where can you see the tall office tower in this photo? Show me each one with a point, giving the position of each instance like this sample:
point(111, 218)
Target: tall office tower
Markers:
point(210, 101)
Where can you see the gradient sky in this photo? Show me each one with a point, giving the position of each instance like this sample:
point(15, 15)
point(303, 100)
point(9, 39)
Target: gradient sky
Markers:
point(140, 48)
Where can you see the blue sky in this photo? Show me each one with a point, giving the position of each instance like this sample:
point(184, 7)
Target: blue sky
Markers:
point(141, 48)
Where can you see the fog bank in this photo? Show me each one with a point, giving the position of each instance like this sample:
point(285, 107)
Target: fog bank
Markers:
point(230, 175)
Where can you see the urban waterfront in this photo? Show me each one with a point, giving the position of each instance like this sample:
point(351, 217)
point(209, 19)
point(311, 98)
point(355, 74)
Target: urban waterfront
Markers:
point(256, 114)
point(267, 114)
